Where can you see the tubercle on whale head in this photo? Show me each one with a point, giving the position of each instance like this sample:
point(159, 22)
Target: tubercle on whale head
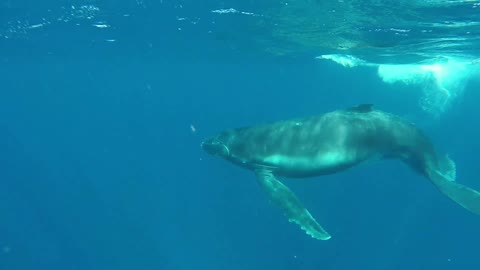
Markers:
point(215, 146)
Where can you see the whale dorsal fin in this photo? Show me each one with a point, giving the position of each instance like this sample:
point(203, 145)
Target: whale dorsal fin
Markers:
point(283, 197)
point(361, 108)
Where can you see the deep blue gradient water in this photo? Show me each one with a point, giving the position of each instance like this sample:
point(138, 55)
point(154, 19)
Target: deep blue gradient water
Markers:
point(100, 167)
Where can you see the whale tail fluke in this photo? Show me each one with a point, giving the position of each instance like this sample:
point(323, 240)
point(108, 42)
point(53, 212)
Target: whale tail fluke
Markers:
point(444, 180)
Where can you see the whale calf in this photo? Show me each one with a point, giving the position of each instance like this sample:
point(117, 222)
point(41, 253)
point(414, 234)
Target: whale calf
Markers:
point(330, 143)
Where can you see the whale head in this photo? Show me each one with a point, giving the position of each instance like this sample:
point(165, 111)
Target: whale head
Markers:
point(217, 146)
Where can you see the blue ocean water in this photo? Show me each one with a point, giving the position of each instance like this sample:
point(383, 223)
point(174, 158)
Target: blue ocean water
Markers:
point(104, 104)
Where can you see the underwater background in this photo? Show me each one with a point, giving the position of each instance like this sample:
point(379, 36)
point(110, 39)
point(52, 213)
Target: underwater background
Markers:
point(104, 104)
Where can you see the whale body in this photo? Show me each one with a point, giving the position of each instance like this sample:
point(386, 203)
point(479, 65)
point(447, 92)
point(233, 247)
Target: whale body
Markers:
point(330, 143)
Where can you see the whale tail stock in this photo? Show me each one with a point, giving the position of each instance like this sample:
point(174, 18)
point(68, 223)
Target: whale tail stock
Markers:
point(444, 179)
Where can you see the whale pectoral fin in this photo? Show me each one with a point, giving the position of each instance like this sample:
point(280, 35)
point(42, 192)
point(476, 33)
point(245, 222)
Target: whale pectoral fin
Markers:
point(282, 196)
point(465, 196)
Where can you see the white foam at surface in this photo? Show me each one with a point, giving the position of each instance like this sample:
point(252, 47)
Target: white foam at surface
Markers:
point(344, 60)
point(441, 82)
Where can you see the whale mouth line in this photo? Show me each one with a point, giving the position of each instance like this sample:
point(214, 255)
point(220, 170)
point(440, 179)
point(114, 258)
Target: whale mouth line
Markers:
point(215, 148)
point(225, 148)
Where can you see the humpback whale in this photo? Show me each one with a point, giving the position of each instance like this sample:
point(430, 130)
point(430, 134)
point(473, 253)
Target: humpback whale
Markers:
point(330, 143)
